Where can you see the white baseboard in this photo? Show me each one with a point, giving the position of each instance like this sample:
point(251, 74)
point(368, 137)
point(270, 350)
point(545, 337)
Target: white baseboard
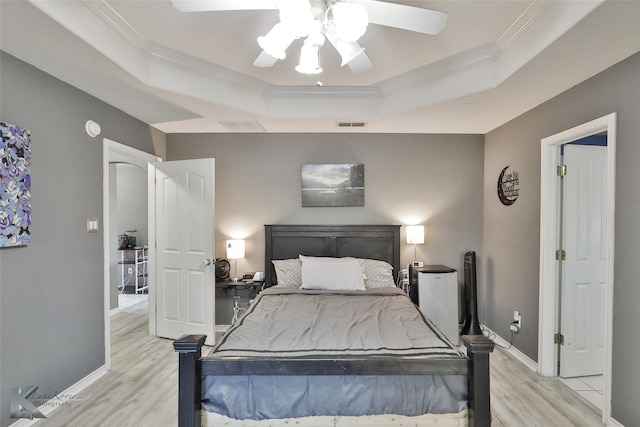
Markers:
point(614, 423)
point(64, 398)
point(523, 358)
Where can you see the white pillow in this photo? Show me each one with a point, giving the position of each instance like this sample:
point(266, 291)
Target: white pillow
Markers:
point(332, 273)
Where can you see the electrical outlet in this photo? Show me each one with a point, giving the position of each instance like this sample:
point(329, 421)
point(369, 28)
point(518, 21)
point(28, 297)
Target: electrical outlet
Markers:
point(130, 270)
point(517, 322)
point(517, 319)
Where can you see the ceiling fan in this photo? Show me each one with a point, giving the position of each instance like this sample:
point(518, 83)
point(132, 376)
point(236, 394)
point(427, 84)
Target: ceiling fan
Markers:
point(342, 22)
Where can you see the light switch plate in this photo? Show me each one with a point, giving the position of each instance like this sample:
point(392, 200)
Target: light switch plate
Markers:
point(93, 225)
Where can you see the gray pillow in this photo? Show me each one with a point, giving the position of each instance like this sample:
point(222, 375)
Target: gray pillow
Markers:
point(288, 272)
point(379, 274)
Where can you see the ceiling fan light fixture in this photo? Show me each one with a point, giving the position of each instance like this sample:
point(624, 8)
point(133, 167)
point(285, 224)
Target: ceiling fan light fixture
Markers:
point(349, 53)
point(296, 15)
point(350, 19)
point(347, 50)
point(315, 38)
point(309, 60)
point(276, 42)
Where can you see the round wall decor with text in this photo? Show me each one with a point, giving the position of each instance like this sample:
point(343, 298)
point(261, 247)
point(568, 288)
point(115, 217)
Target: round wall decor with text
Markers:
point(508, 187)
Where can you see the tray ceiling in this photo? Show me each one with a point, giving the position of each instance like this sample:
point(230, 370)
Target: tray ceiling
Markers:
point(193, 72)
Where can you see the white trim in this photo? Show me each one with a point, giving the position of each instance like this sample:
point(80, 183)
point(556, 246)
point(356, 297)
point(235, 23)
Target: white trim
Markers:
point(522, 358)
point(151, 240)
point(64, 398)
point(612, 422)
point(549, 199)
point(109, 149)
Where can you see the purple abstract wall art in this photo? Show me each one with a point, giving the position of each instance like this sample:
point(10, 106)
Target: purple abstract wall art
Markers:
point(15, 186)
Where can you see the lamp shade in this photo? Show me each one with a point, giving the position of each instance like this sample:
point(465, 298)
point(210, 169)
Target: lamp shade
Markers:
point(415, 234)
point(235, 249)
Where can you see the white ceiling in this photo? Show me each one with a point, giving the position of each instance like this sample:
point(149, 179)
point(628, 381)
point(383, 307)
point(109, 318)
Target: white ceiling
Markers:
point(185, 72)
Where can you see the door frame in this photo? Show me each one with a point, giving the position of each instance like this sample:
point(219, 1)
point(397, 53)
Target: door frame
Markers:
point(112, 150)
point(549, 226)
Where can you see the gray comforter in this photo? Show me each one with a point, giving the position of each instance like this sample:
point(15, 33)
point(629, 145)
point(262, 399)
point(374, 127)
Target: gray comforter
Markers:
point(294, 322)
point(285, 322)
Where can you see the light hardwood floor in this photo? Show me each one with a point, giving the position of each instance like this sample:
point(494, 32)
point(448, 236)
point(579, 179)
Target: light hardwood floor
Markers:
point(141, 388)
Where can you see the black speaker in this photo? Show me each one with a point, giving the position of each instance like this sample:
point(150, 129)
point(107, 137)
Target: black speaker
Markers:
point(413, 283)
point(471, 324)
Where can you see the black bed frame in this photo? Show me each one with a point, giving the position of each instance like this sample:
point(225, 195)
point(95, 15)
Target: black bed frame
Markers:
point(362, 241)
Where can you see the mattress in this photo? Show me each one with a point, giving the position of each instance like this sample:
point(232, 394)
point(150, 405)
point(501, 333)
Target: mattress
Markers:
point(460, 419)
point(296, 323)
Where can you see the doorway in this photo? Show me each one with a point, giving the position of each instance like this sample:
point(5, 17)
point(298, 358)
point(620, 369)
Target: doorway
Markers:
point(114, 152)
point(550, 226)
point(128, 233)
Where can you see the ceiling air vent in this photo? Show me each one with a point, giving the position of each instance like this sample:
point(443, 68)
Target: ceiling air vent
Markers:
point(351, 124)
point(243, 126)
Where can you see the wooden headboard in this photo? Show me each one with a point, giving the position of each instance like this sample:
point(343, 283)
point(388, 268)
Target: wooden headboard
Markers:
point(381, 242)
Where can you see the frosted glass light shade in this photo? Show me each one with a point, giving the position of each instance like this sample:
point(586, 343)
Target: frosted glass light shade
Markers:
point(415, 234)
point(309, 60)
point(296, 15)
point(235, 249)
point(351, 20)
point(276, 42)
point(348, 50)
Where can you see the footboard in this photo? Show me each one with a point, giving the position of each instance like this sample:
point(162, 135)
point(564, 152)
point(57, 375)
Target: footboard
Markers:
point(478, 349)
point(189, 348)
point(192, 368)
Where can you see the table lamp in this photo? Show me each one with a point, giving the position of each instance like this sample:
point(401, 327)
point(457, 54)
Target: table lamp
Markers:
point(415, 236)
point(235, 250)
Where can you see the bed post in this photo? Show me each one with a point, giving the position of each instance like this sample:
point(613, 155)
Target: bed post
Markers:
point(478, 349)
point(189, 348)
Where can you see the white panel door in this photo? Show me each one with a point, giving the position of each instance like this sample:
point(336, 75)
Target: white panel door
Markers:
point(185, 294)
point(583, 278)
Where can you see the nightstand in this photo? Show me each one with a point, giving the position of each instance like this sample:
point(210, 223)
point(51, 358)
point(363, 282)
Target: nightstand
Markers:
point(253, 288)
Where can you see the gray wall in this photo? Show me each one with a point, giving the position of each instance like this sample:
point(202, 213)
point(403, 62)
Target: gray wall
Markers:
point(132, 201)
point(511, 235)
point(51, 292)
point(435, 180)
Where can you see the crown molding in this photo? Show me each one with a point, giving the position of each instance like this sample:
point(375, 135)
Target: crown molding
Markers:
point(109, 16)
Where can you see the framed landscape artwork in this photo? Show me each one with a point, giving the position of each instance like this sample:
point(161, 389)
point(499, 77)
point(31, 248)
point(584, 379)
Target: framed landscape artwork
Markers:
point(333, 185)
point(15, 186)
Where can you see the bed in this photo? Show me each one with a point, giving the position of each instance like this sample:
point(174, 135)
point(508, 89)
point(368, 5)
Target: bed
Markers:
point(258, 376)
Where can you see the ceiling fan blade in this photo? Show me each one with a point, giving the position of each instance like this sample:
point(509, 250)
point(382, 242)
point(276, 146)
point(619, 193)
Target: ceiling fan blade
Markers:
point(264, 60)
point(405, 17)
point(360, 64)
point(220, 5)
